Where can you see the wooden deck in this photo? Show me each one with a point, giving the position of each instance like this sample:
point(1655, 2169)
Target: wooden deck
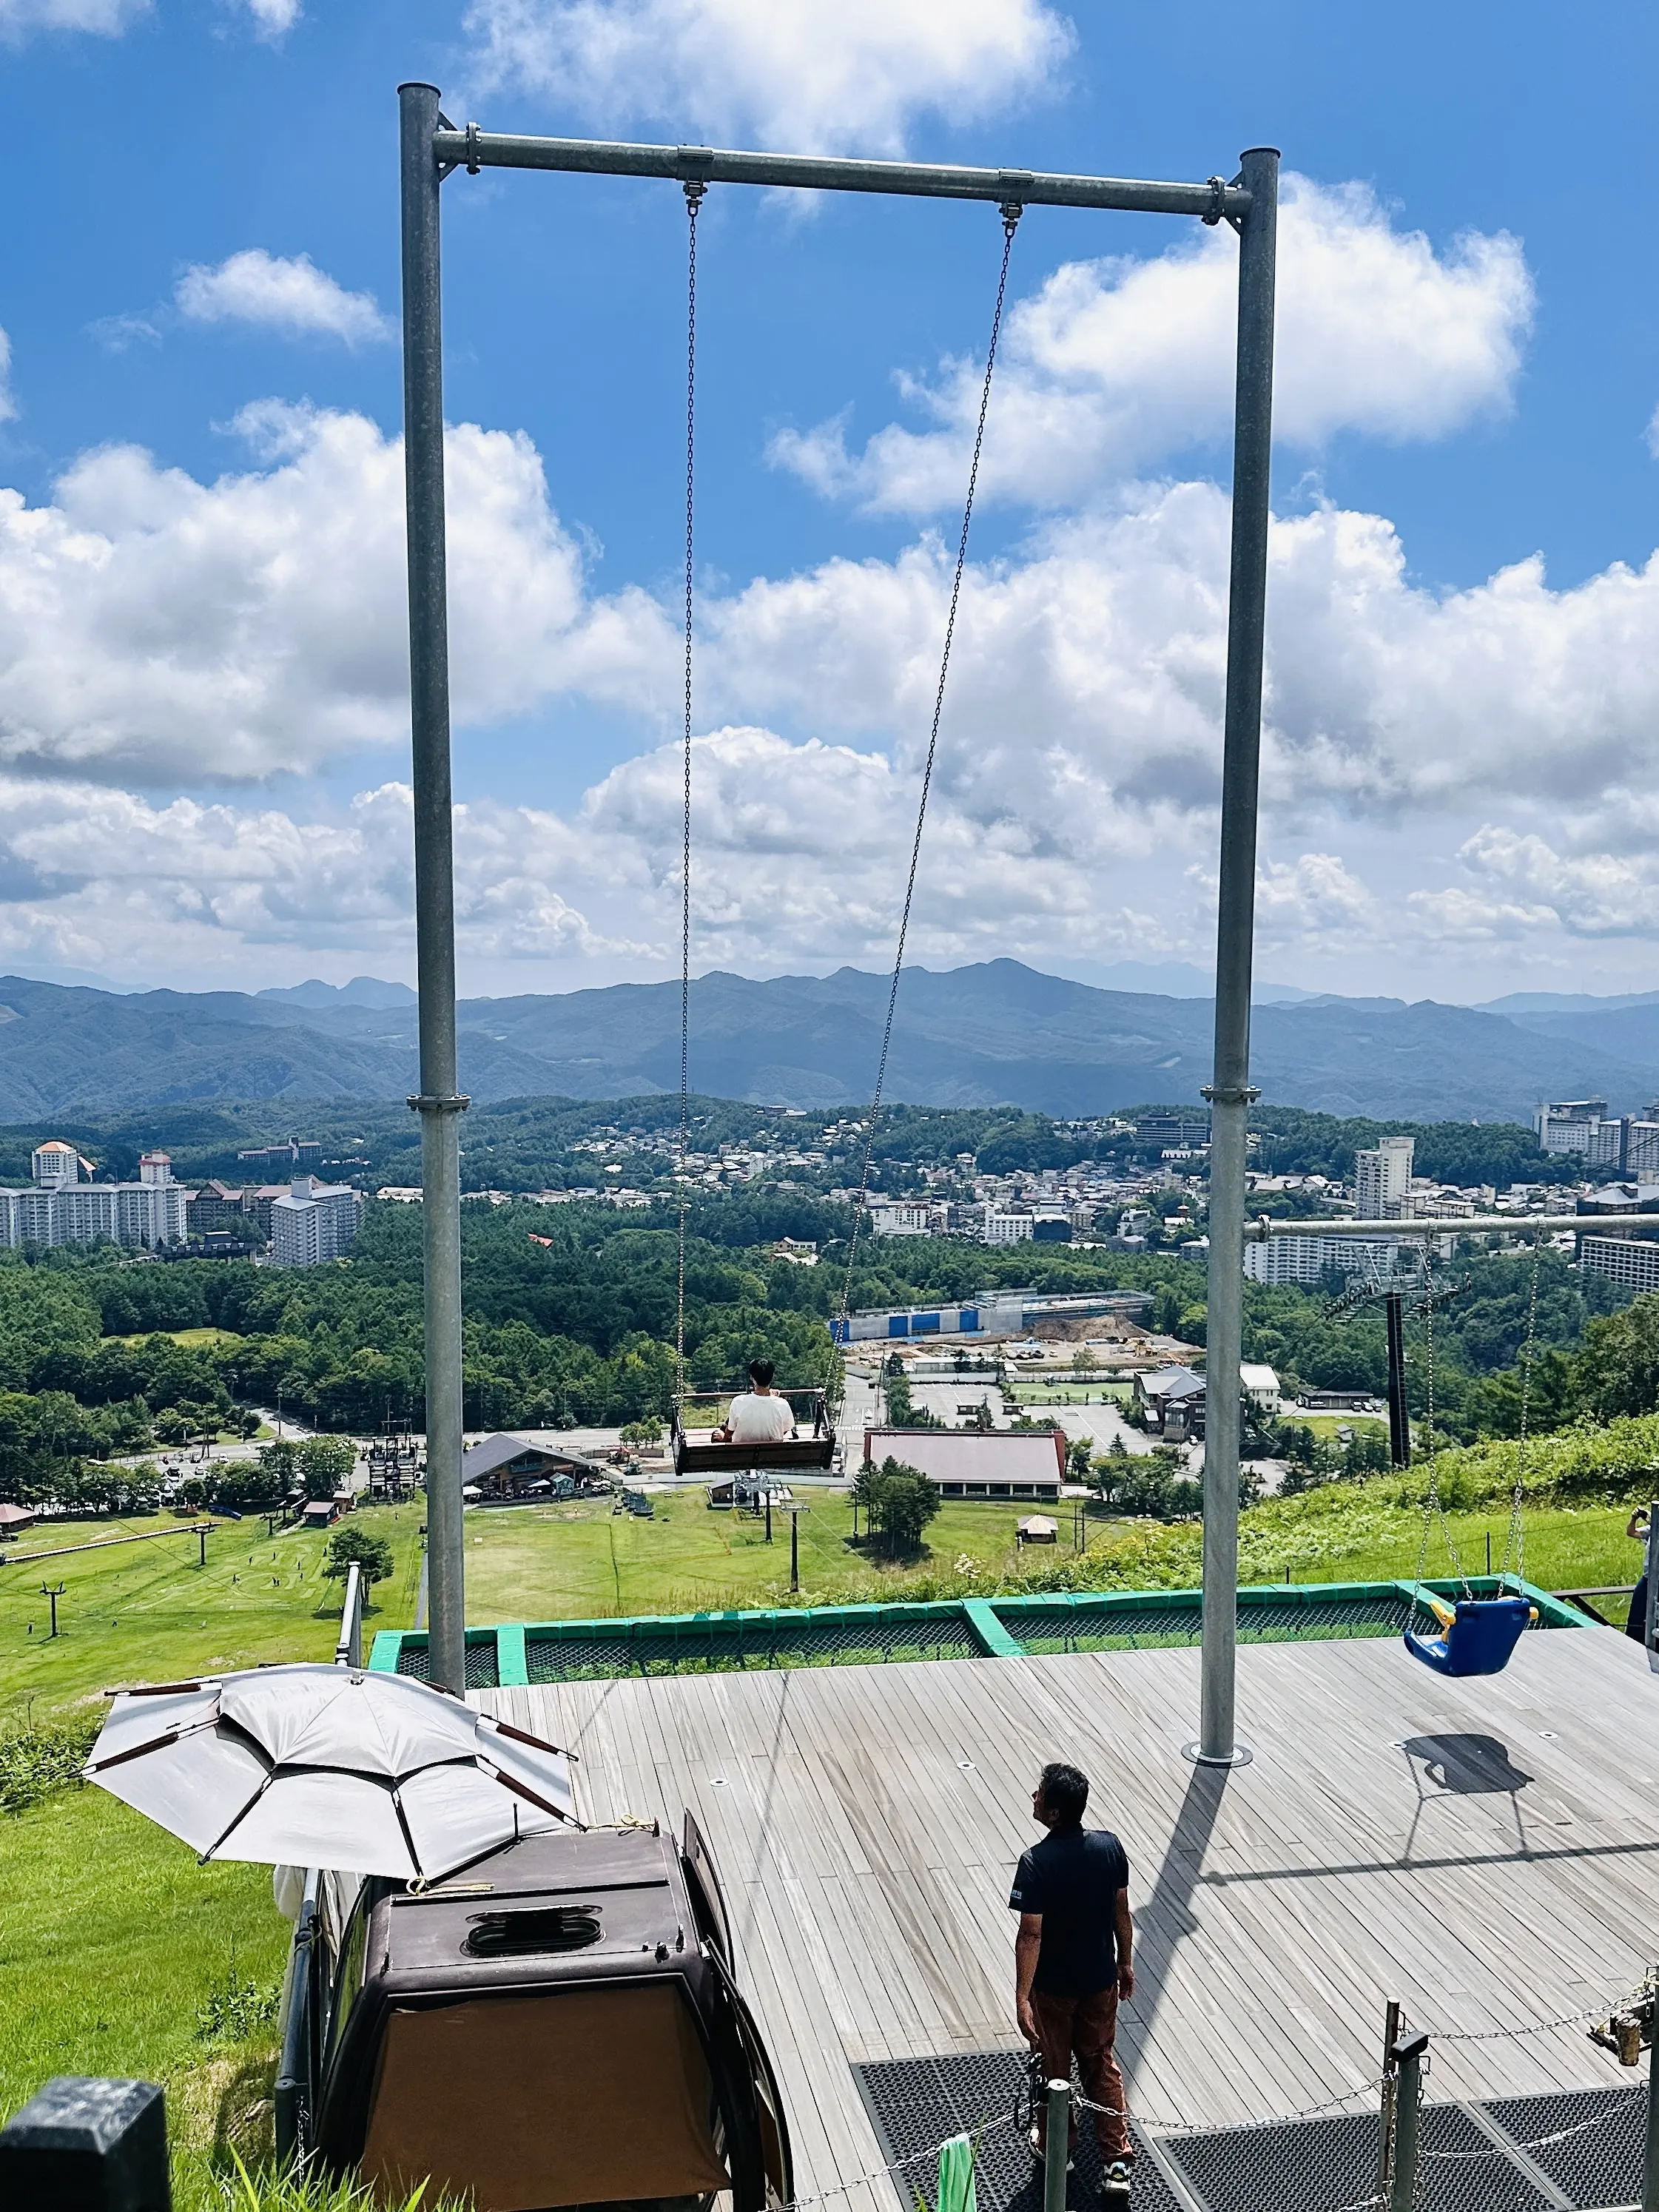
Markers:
point(1486, 1850)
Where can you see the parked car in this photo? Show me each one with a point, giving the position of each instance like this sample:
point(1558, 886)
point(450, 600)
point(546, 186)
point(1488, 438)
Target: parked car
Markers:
point(560, 2025)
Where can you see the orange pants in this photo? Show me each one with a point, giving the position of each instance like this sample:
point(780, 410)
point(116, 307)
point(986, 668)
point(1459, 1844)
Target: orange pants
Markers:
point(1085, 2027)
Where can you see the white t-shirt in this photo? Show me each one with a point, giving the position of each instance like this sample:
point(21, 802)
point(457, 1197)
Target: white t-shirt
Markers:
point(756, 1420)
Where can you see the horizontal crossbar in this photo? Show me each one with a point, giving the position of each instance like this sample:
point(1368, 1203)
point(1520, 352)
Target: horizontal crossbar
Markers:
point(1587, 1225)
point(473, 149)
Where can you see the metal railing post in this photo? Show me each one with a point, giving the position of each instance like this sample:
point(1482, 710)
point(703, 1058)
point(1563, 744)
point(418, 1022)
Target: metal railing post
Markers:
point(1650, 2151)
point(1407, 2117)
point(348, 1651)
point(1651, 1622)
point(1385, 2129)
point(1230, 1094)
point(1055, 2145)
point(438, 1102)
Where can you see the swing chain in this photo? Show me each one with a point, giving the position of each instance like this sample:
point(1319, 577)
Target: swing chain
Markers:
point(694, 191)
point(1514, 1545)
point(1010, 212)
point(1432, 1508)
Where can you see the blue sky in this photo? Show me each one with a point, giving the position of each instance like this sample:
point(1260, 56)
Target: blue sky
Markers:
point(202, 740)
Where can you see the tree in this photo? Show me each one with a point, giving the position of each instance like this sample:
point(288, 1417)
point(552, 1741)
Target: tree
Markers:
point(646, 1431)
point(1617, 1369)
point(351, 1544)
point(906, 1501)
point(325, 1464)
point(1079, 1458)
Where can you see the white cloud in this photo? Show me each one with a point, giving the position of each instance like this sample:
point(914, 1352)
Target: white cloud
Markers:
point(793, 74)
point(1113, 364)
point(274, 19)
point(1522, 884)
point(275, 293)
point(83, 867)
point(106, 18)
point(153, 627)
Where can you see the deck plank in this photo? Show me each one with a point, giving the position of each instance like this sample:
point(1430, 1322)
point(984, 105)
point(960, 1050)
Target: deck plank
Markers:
point(867, 1821)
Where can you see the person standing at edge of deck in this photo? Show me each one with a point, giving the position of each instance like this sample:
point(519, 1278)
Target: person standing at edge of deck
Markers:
point(1636, 1622)
point(1073, 1959)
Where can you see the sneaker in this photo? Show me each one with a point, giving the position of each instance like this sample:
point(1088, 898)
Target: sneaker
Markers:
point(1117, 2177)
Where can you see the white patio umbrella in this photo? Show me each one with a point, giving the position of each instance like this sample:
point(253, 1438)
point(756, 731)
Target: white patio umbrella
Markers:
point(325, 1766)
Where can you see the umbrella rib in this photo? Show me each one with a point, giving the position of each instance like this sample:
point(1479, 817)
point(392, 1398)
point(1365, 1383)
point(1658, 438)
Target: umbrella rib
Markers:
point(237, 1818)
point(536, 1743)
point(408, 1839)
point(96, 1766)
point(522, 1790)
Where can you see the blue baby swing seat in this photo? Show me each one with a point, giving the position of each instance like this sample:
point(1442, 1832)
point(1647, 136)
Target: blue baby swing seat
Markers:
point(1477, 1639)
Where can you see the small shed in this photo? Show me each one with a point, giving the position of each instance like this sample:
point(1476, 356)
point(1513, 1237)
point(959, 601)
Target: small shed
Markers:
point(321, 1513)
point(14, 1519)
point(1036, 1528)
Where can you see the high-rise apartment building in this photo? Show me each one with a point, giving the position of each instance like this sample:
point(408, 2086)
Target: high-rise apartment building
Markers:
point(1308, 1259)
point(1382, 1179)
point(60, 1208)
point(315, 1223)
point(1630, 1262)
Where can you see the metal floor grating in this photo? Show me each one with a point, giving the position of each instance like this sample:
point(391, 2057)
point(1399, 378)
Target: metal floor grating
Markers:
point(1599, 2166)
point(1324, 2164)
point(915, 2103)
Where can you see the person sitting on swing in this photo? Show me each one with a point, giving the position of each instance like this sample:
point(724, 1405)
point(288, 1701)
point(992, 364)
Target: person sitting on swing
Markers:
point(758, 1415)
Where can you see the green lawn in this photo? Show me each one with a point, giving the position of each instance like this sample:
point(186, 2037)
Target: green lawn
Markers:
point(580, 1561)
point(113, 1940)
point(147, 1612)
point(194, 1339)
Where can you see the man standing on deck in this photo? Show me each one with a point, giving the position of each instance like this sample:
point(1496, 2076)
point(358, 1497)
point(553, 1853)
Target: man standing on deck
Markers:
point(1074, 1958)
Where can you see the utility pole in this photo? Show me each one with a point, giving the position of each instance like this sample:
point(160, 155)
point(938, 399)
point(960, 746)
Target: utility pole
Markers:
point(1400, 1426)
point(1229, 1093)
point(53, 1591)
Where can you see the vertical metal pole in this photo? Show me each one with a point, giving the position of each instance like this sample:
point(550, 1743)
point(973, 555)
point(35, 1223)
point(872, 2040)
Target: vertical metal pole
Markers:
point(1399, 1425)
point(1385, 2130)
point(438, 1104)
point(794, 1552)
point(1230, 1094)
point(1407, 2111)
point(1055, 2145)
point(1650, 2154)
point(1653, 1578)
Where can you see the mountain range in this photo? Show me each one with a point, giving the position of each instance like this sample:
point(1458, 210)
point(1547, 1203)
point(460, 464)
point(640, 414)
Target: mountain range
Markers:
point(999, 1033)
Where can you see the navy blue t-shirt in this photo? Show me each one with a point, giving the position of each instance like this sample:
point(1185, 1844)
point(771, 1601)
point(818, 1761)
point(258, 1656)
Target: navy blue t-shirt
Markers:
point(1073, 1878)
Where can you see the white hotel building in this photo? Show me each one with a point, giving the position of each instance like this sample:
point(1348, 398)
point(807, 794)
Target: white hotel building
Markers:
point(60, 1208)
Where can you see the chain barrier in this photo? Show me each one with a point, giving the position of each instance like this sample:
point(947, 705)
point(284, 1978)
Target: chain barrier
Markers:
point(1440, 2037)
point(885, 2172)
point(1163, 2129)
point(1628, 2096)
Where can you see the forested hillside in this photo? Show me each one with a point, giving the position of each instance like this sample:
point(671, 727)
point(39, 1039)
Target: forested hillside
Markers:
point(570, 1317)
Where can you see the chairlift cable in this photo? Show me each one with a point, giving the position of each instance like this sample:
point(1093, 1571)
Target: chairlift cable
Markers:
point(1011, 214)
point(694, 195)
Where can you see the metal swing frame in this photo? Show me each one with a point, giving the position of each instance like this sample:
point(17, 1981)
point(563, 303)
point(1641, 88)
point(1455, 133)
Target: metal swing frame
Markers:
point(431, 149)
